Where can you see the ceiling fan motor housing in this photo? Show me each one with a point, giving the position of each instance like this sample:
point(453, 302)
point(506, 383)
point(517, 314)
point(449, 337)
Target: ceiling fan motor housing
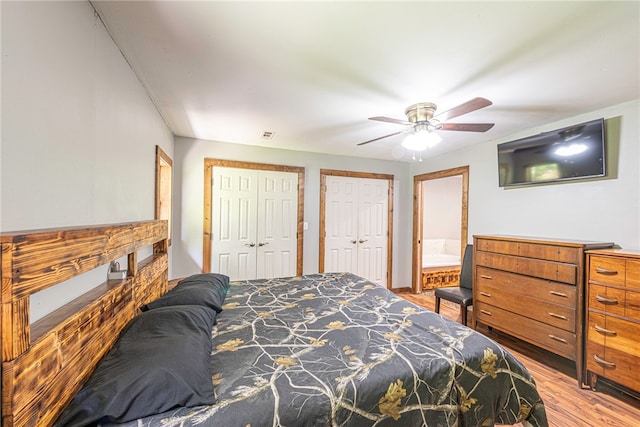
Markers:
point(421, 112)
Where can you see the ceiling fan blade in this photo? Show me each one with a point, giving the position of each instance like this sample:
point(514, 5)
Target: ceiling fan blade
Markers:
point(390, 120)
point(467, 127)
point(380, 137)
point(467, 107)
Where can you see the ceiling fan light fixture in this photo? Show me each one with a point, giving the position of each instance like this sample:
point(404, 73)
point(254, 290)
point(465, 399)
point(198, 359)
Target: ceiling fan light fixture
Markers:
point(420, 140)
point(421, 118)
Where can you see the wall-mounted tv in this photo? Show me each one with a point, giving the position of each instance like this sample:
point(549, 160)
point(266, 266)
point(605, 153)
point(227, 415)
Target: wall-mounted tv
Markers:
point(574, 152)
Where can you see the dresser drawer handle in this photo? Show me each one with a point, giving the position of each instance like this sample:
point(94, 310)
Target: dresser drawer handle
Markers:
point(605, 331)
point(485, 294)
point(603, 362)
point(557, 316)
point(558, 294)
point(488, 313)
point(553, 337)
point(605, 300)
point(606, 272)
point(486, 276)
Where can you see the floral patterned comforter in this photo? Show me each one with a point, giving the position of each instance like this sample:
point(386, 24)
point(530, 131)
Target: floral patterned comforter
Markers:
point(337, 350)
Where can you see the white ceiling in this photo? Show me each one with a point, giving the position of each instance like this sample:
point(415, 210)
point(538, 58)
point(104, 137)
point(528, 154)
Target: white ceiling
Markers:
point(313, 72)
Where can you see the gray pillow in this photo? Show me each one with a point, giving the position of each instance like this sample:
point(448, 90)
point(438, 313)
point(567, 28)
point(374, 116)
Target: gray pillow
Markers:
point(161, 361)
point(207, 289)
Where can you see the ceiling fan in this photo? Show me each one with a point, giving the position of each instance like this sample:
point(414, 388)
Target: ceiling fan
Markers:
point(421, 120)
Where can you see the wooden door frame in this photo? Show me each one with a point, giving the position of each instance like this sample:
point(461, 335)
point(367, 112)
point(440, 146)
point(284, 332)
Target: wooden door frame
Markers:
point(209, 164)
point(418, 203)
point(351, 174)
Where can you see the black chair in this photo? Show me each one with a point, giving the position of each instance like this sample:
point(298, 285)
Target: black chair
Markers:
point(462, 295)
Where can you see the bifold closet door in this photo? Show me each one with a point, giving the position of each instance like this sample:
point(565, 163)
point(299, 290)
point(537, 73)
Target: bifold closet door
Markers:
point(356, 226)
point(277, 240)
point(254, 223)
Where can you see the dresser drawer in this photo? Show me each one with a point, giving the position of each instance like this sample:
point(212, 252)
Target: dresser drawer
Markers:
point(552, 292)
point(497, 246)
point(614, 300)
point(541, 334)
point(559, 316)
point(549, 253)
point(633, 274)
point(624, 370)
point(632, 305)
point(497, 261)
point(530, 250)
point(558, 272)
point(613, 350)
point(606, 299)
point(610, 271)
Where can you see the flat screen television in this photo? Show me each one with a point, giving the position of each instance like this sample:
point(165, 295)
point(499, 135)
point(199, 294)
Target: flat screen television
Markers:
point(574, 152)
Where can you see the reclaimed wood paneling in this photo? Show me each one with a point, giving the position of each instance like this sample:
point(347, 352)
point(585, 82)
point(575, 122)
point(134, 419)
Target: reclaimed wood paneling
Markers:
point(152, 280)
point(46, 363)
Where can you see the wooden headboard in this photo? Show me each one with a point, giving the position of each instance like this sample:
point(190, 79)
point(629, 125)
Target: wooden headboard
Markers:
point(45, 363)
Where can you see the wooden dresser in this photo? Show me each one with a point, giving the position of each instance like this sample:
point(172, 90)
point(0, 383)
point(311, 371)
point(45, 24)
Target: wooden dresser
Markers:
point(533, 288)
point(612, 348)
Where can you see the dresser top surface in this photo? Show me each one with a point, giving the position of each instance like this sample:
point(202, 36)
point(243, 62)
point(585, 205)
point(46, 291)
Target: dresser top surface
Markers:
point(627, 253)
point(587, 244)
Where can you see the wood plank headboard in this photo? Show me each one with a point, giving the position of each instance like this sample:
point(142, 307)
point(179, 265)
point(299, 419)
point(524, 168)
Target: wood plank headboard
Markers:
point(45, 363)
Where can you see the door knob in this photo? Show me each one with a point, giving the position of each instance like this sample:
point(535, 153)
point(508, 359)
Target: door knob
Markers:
point(251, 245)
point(354, 242)
point(362, 241)
point(262, 243)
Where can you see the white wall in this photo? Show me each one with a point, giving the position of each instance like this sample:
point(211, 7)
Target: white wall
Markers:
point(442, 211)
point(602, 210)
point(78, 130)
point(189, 194)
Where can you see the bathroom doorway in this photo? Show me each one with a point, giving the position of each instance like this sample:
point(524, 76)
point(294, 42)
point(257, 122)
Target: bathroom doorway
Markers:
point(440, 222)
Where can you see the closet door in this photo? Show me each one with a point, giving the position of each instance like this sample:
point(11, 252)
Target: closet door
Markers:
point(234, 224)
point(356, 226)
point(277, 219)
point(254, 223)
point(373, 229)
point(341, 225)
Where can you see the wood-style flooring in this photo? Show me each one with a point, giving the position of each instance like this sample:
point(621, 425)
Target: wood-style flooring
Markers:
point(567, 405)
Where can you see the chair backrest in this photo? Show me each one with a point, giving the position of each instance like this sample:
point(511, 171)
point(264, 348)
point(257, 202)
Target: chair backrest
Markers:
point(466, 270)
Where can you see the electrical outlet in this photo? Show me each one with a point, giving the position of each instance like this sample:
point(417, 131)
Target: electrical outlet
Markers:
point(117, 275)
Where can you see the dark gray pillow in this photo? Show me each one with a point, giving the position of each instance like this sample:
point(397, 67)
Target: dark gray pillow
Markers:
point(208, 289)
point(161, 361)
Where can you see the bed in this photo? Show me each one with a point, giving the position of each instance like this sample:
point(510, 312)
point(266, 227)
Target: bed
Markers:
point(440, 263)
point(322, 349)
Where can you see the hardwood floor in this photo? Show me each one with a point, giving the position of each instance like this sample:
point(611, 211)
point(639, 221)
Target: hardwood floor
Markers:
point(566, 404)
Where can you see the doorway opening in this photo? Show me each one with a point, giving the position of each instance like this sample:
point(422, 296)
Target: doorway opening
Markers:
point(440, 223)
